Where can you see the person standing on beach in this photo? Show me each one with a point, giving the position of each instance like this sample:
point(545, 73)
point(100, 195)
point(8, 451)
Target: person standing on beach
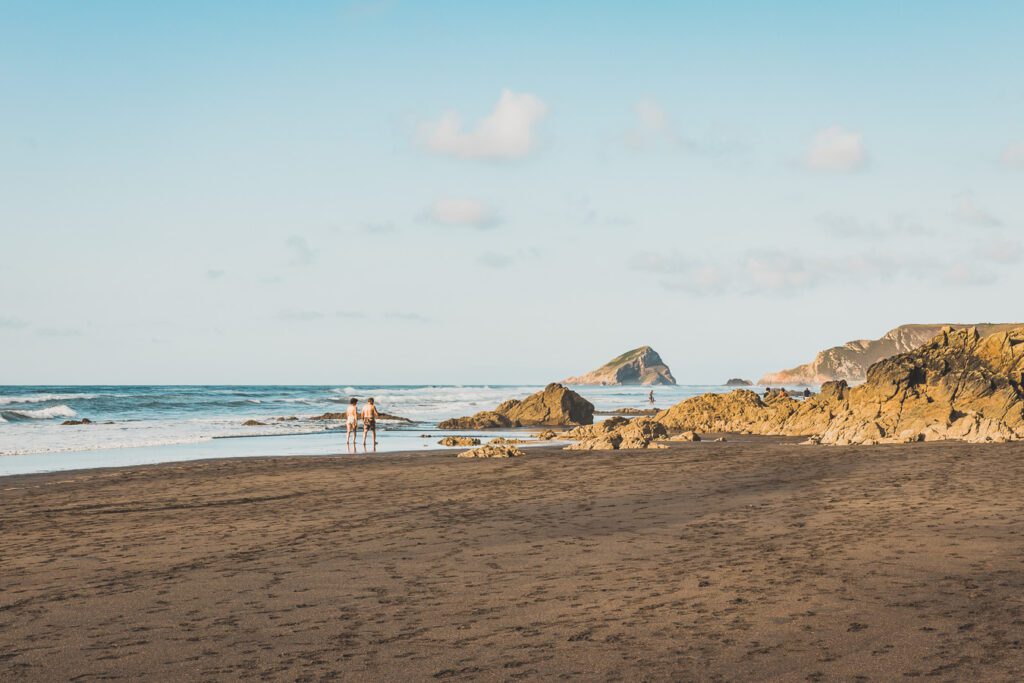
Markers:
point(352, 421)
point(370, 416)
point(650, 397)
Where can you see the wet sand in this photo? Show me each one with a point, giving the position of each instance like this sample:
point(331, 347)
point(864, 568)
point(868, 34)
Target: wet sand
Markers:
point(754, 559)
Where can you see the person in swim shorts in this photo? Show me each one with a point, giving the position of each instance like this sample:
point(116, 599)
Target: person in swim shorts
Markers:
point(370, 416)
point(352, 421)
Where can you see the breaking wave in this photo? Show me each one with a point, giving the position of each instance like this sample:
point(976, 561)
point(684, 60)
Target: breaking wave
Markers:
point(41, 414)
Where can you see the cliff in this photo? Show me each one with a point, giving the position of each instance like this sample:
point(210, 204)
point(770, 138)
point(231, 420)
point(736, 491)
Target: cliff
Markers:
point(961, 385)
point(851, 361)
point(639, 366)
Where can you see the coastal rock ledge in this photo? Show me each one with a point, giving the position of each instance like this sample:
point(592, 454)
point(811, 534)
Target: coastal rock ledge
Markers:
point(639, 366)
point(959, 386)
point(555, 406)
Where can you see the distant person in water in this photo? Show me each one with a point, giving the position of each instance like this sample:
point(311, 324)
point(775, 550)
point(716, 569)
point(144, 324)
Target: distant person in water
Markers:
point(352, 421)
point(370, 416)
point(650, 397)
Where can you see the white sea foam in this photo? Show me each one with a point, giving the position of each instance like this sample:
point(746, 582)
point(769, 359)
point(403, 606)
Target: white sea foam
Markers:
point(43, 398)
point(45, 413)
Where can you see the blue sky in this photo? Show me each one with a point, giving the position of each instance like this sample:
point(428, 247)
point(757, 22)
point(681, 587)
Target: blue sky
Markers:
point(399, 192)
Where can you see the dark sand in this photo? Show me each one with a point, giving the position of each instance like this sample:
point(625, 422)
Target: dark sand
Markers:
point(755, 559)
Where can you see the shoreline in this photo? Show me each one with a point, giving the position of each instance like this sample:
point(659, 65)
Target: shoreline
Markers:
point(750, 559)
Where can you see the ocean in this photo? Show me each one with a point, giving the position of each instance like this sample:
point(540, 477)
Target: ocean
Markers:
point(134, 425)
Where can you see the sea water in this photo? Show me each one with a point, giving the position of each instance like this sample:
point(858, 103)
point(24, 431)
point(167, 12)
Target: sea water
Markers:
point(135, 425)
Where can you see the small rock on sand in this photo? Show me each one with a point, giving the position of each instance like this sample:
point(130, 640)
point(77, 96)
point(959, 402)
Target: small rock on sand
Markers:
point(493, 451)
point(459, 441)
point(686, 436)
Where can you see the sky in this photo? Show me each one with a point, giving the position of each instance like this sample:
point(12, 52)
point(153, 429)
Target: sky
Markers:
point(461, 192)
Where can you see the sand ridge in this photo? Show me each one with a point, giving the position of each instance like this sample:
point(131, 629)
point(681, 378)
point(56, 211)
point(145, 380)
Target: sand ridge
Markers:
point(750, 559)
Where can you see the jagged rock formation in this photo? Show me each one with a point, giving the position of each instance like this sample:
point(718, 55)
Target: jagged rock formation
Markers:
point(639, 366)
point(617, 433)
point(737, 382)
point(459, 441)
point(492, 450)
point(555, 406)
point(961, 385)
point(851, 360)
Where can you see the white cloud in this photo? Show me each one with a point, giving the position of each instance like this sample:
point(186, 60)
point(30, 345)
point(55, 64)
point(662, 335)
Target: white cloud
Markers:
point(1013, 155)
point(837, 149)
point(505, 133)
point(467, 213)
point(967, 211)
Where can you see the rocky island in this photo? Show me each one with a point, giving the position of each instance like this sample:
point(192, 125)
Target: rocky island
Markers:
point(852, 360)
point(640, 366)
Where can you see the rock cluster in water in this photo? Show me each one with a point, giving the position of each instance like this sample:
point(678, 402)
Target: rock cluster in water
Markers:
point(554, 406)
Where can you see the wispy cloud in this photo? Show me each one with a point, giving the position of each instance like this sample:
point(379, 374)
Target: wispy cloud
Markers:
point(301, 253)
point(350, 315)
point(58, 332)
point(835, 149)
point(1005, 252)
point(298, 315)
point(466, 213)
point(654, 128)
point(505, 259)
point(215, 274)
point(967, 211)
point(493, 259)
point(408, 316)
point(12, 323)
point(1013, 156)
point(896, 225)
point(508, 132)
point(380, 228)
point(776, 273)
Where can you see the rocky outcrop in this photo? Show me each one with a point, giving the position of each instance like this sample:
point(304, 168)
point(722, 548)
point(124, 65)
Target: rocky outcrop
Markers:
point(546, 435)
point(459, 441)
point(961, 385)
point(493, 451)
point(75, 423)
point(737, 382)
point(617, 433)
point(852, 360)
point(253, 423)
point(639, 366)
point(555, 406)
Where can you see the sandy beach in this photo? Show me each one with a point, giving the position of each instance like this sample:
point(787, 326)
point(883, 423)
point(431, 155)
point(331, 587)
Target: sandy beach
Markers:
point(753, 559)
